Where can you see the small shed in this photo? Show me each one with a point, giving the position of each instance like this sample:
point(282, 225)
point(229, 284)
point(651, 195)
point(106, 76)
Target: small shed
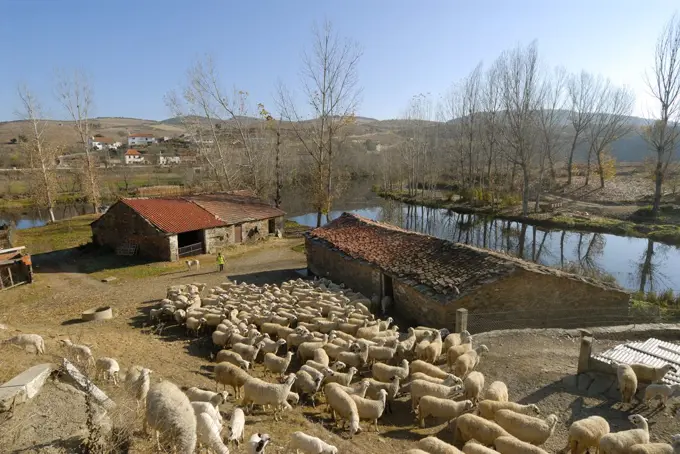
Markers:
point(652, 352)
point(15, 268)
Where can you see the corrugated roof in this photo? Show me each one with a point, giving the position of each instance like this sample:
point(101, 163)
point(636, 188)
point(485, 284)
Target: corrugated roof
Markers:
point(174, 215)
point(236, 207)
point(9, 256)
point(652, 352)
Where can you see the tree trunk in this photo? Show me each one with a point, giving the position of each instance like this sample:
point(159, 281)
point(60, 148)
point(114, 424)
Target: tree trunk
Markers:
point(570, 161)
point(658, 182)
point(590, 154)
point(599, 166)
point(646, 269)
point(525, 191)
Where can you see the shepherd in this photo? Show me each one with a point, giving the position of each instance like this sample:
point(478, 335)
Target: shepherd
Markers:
point(220, 261)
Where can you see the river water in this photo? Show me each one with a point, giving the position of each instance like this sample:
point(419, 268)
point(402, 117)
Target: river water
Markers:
point(635, 263)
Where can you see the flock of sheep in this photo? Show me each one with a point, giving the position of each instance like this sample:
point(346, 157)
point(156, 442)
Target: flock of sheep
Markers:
point(359, 363)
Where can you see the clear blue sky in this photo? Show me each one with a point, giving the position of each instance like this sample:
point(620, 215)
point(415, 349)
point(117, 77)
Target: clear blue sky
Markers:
point(136, 51)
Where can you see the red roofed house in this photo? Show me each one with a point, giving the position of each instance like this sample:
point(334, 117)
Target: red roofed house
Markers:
point(169, 228)
point(140, 139)
point(133, 157)
point(430, 278)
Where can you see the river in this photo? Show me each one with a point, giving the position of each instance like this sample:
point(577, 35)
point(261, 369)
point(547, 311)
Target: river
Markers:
point(635, 263)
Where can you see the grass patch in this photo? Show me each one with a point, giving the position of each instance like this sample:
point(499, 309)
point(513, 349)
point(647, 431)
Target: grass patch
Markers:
point(59, 235)
point(299, 248)
point(133, 270)
point(293, 230)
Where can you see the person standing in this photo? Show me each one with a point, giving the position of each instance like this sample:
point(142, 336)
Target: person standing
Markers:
point(220, 261)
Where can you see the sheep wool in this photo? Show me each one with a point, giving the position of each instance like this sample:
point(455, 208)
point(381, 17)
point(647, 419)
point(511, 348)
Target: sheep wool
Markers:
point(473, 385)
point(511, 445)
point(661, 391)
point(257, 443)
point(628, 382)
point(586, 433)
point(276, 364)
point(497, 391)
point(434, 445)
point(237, 423)
point(33, 342)
point(487, 408)
point(427, 368)
point(210, 409)
point(473, 447)
point(170, 414)
point(228, 374)
point(108, 368)
point(652, 448)
point(619, 442)
point(420, 388)
point(527, 428)
point(384, 372)
point(469, 426)
point(371, 409)
point(441, 408)
point(342, 405)
point(307, 444)
point(259, 392)
point(651, 374)
point(233, 358)
point(208, 432)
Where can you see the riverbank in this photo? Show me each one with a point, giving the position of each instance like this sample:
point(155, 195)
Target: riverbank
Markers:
point(560, 219)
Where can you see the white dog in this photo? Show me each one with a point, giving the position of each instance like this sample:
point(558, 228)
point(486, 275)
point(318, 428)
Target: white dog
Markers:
point(195, 263)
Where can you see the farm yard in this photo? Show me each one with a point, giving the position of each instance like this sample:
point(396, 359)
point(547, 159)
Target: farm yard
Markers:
point(537, 366)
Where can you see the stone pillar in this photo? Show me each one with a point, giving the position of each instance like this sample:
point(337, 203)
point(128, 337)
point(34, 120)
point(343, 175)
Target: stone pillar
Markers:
point(461, 320)
point(585, 352)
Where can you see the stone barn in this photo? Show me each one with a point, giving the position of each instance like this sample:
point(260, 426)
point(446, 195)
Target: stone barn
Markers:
point(430, 278)
point(169, 228)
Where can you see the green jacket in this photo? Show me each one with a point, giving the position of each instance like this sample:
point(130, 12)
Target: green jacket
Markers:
point(220, 260)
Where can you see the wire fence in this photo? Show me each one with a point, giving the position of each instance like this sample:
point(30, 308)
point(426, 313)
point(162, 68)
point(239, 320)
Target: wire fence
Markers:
point(479, 322)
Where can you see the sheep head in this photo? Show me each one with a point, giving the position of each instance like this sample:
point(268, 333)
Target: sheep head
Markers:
point(638, 421)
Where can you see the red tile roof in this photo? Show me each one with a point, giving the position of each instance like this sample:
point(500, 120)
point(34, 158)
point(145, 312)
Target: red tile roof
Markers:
point(102, 139)
point(140, 134)
point(174, 215)
point(132, 152)
point(236, 207)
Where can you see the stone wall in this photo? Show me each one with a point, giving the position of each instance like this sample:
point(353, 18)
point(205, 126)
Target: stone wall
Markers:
point(122, 225)
point(418, 308)
point(214, 240)
point(325, 262)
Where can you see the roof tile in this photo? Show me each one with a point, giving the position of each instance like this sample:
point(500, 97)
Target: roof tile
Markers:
point(174, 215)
point(236, 207)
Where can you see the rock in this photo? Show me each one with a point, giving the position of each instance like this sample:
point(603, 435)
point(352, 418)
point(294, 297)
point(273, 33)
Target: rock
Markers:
point(87, 385)
point(24, 386)
point(600, 384)
point(109, 279)
point(570, 381)
point(584, 381)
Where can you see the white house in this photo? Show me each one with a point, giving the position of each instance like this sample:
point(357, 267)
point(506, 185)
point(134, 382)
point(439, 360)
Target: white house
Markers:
point(133, 157)
point(140, 139)
point(103, 143)
point(168, 160)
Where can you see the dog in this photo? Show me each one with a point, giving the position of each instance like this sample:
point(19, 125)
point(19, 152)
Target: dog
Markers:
point(194, 263)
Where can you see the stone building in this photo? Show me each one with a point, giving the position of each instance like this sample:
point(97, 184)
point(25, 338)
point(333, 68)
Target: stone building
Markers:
point(168, 228)
point(430, 278)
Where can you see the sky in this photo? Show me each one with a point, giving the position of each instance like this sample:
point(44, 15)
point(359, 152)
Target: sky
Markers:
point(135, 52)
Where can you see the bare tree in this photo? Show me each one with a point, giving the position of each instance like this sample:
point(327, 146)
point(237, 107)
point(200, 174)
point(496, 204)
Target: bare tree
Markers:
point(416, 148)
point(519, 75)
point(584, 90)
point(75, 95)
point(664, 84)
point(492, 103)
point(42, 155)
point(331, 87)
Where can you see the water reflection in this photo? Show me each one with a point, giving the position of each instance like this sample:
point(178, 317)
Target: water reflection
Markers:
point(24, 218)
point(632, 262)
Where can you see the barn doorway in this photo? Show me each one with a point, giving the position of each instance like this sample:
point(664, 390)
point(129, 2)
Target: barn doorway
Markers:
point(272, 226)
point(238, 233)
point(387, 289)
point(190, 243)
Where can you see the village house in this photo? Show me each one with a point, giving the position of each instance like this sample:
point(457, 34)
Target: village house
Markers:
point(140, 139)
point(168, 160)
point(169, 228)
point(430, 278)
point(103, 143)
point(133, 157)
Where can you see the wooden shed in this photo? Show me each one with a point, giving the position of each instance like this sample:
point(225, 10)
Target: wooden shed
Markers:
point(15, 268)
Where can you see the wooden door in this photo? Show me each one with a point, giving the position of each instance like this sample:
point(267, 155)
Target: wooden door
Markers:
point(238, 233)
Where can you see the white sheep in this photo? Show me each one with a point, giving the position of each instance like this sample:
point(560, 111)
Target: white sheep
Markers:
point(170, 414)
point(434, 445)
point(497, 391)
point(257, 443)
point(420, 388)
point(527, 428)
point(473, 385)
point(469, 426)
point(307, 384)
point(208, 432)
point(342, 405)
point(467, 362)
point(194, 325)
point(271, 346)
point(620, 442)
point(628, 382)
point(433, 350)
point(512, 445)
point(385, 372)
point(474, 447)
point(456, 339)
point(456, 351)
point(341, 378)
point(371, 409)
point(380, 353)
point(210, 409)
point(79, 352)
point(237, 423)
point(228, 374)
point(28, 342)
point(449, 380)
point(487, 408)
point(427, 368)
point(202, 395)
point(276, 364)
point(356, 359)
point(586, 433)
point(651, 374)
point(108, 368)
point(259, 392)
point(137, 382)
point(358, 388)
point(248, 352)
point(653, 448)
point(660, 390)
point(441, 408)
point(232, 357)
point(300, 441)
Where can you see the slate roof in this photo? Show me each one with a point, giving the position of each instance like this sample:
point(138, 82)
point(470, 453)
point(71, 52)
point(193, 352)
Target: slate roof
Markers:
point(236, 207)
point(174, 215)
point(450, 269)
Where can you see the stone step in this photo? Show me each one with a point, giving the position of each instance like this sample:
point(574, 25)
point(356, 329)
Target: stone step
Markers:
point(24, 386)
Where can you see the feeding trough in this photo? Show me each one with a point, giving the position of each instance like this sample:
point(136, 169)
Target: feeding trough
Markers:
point(99, 313)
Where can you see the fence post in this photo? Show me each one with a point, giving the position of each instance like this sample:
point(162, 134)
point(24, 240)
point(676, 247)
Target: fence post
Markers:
point(585, 351)
point(461, 320)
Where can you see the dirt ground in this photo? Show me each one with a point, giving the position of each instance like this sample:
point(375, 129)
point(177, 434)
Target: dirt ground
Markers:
point(538, 368)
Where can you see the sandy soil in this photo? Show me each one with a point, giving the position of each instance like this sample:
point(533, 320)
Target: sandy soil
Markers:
point(533, 365)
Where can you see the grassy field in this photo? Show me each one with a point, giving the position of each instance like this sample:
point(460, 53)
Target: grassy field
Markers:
point(57, 236)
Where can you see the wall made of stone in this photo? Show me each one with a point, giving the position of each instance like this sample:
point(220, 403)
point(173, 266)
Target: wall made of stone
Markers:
point(214, 240)
point(122, 225)
point(324, 262)
point(417, 308)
